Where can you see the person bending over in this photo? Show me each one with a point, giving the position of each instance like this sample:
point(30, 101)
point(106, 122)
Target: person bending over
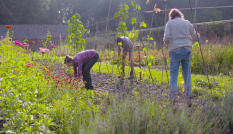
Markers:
point(127, 46)
point(84, 61)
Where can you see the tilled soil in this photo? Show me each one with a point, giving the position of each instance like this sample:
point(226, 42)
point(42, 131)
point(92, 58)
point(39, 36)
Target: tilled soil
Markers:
point(107, 83)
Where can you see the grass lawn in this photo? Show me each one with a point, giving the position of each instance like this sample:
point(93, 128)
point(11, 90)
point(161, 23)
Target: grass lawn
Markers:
point(107, 68)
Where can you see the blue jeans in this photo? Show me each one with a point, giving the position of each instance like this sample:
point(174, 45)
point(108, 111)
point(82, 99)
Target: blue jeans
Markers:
point(184, 57)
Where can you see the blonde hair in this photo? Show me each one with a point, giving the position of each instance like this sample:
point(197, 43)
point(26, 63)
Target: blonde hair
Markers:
point(174, 13)
point(68, 59)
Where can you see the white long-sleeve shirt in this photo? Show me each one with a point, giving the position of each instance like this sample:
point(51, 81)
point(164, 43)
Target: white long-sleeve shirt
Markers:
point(177, 34)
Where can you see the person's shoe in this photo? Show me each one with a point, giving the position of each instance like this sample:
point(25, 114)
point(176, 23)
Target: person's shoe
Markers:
point(131, 75)
point(189, 101)
point(89, 88)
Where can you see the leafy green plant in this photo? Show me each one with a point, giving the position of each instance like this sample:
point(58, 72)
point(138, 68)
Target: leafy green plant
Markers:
point(133, 34)
point(123, 14)
point(76, 30)
point(47, 41)
point(22, 97)
point(218, 59)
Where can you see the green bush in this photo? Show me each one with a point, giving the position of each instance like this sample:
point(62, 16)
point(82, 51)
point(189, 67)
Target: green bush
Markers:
point(218, 59)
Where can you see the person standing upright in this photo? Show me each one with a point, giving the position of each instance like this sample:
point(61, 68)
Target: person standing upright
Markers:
point(178, 34)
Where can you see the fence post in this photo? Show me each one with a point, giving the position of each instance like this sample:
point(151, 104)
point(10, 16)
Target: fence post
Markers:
point(138, 46)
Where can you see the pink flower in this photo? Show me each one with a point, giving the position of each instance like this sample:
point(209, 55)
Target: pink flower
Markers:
point(207, 41)
point(18, 43)
point(3, 41)
point(25, 45)
point(28, 65)
point(43, 50)
point(52, 46)
point(33, 42)
point(1, 36)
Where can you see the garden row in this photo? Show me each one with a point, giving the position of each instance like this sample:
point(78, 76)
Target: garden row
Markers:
point(40, 96)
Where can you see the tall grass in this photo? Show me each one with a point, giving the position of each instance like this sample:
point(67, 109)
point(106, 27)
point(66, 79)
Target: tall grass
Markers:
point(218, 59)
point(144, 113)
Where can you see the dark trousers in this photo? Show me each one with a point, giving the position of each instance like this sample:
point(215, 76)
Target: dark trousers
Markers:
point(86, 72)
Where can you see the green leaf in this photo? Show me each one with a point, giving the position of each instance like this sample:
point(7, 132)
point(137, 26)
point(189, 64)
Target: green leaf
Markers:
point(116, 15)
point(167, 60)
point(130, 35)
point(119, 43)
point(1, 118)
point(196, 44)
point(133, 20)
point(11, 104)
point(149, 64)
point(151, 38)
point(138, 7)
point(132, 2)
point(18, 123)
point(127, 7)
point(3, 111)
point(144, 49)
point(151, 56)
point(52, 124)
point(143, 25)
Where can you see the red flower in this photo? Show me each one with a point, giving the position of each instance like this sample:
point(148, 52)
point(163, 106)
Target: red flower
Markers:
point(28, 65)
point(82, 75)
point(8, 27)
point(97, 95)
point(56, 86)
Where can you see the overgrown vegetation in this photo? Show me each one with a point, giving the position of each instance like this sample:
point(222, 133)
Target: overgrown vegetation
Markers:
point(45, 99)
point(39, 94)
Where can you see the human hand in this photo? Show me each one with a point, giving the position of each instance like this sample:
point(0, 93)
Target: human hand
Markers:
point(124, 55)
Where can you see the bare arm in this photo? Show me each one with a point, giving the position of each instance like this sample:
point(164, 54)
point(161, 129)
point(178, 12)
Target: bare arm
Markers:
point(119, 50)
